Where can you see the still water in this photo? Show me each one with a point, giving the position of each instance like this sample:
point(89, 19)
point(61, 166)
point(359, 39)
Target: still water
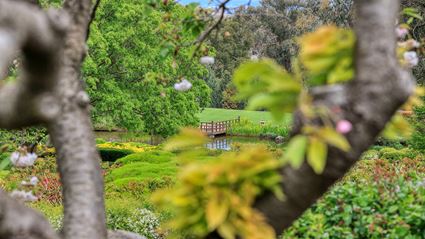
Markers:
point(228, 142)
point(221, 143)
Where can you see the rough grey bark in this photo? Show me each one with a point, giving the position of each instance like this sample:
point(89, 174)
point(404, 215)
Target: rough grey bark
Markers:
point(29, 100)
point(369, 101)
point(72, 135)
point(51, 92)
point(17, 221)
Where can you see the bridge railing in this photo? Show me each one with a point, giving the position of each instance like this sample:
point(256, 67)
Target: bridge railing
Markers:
point(218, 127)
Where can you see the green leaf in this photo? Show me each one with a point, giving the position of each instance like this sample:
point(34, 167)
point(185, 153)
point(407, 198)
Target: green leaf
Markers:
point(412, 12)
point(316, 155)
point(5, 163)
point(267, 85)
point(295, 152)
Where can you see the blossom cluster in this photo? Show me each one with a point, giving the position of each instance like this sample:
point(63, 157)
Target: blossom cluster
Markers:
point(407, 47)
point(24, 196)
point(22, 159)
point(184, 85)
point(140, 221)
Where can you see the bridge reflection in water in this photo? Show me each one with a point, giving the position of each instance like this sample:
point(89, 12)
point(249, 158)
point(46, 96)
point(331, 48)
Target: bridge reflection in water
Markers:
point(223, 143)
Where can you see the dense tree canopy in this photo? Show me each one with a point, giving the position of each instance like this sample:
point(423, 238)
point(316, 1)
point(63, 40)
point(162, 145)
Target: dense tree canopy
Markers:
point(129, 77)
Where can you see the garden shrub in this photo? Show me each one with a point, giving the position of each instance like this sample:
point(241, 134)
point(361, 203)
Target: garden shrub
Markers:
point(139, 188)
point(370, 154)
point(54, 214)
point(133, 146)
point(154, 156)
point(141, 221)
point(111, 154)
point(49, 188)
point(111, 151)
point(5, 163)
point(248, 128)
point(386, 201)
point(395, 154)
point(32, 135)
point(100, 141)
point(417, 140)
point(141, 171)
point(392, 143)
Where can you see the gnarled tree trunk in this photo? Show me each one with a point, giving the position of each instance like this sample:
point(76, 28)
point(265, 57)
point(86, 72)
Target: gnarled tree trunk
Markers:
point(50, 91)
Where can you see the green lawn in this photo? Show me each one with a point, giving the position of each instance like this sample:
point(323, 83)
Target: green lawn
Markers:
point(212, 114)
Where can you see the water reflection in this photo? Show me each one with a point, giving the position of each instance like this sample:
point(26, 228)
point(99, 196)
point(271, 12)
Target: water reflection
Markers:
point(223, 143)
point(228, 142)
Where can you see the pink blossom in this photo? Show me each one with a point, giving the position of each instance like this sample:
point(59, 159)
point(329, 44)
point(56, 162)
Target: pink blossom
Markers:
point(344, 126)
point(401, 32)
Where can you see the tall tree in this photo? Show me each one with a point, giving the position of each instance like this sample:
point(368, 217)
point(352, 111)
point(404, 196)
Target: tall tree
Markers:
point(130, 80)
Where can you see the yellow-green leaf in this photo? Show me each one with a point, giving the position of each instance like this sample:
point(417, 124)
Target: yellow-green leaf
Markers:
point(188, 137)
point(227, 231)
point(316, 155)
point(296, 151)
point(216, 213)
point(332, 137)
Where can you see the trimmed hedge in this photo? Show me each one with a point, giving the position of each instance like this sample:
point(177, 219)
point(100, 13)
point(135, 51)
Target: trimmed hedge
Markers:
point(150, 157)
point(418, 138)
point(111, 155)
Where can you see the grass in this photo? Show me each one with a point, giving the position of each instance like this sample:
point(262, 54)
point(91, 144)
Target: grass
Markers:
point(248, 128)
point(143, 166)
point(213, 114)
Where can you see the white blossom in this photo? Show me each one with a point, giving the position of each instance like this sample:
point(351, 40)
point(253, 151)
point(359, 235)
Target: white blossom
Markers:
point(411, 59)
point(23, 160)
point(184, 85)
point(207, 60)
point(401, 32)
point(254, 57)
point(32, 182)
point(23, 196)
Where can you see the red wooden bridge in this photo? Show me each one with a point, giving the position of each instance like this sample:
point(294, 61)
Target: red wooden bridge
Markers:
point(218, 128)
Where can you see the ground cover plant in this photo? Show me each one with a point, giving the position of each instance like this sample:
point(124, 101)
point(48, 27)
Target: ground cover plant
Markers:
point(380, 198)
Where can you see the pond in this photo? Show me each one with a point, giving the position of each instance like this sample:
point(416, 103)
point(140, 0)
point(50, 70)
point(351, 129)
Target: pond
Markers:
point(227, 142)
point(221, 143)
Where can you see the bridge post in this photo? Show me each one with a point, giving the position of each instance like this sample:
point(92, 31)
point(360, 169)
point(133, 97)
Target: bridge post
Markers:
point(212, 127)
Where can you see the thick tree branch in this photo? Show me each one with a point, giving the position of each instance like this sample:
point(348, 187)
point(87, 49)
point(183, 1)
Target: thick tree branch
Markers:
point(72, 134)
point(18, 221)
point(379, 89)
point(27, 30)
